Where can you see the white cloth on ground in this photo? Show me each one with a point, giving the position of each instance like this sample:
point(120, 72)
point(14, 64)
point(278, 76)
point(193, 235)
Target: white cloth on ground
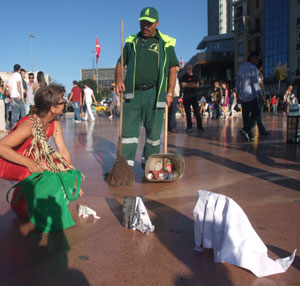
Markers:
point(85, 212)
point(222, 225)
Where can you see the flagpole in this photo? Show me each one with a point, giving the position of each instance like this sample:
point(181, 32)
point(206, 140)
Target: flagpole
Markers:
point(97, 74)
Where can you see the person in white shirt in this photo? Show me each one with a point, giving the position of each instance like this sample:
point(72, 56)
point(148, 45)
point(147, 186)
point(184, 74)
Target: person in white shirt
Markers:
point(88, 100)
point(16, 95)
point(30, 95)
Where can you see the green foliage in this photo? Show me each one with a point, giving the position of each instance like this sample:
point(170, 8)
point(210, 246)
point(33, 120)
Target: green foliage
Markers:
point(281, 73)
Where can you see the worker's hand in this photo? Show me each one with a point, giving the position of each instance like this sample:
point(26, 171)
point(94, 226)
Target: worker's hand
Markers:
point(33, 166)
point(169, 100)
point(120, 87)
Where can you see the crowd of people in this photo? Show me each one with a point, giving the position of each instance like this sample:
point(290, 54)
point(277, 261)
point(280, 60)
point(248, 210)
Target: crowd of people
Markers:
point(30, 109)
point(224, 102)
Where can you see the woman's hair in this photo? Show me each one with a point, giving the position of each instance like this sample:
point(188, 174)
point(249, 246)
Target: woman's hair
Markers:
point(46, 97)
point(41, 79)
point(1, 81)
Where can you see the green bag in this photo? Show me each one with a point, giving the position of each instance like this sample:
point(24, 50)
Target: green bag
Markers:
point(47, 197)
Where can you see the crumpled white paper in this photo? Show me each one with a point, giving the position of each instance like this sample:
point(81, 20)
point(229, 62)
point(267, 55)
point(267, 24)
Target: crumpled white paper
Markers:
point(141, 219)
point(85, 212)
point(222, 225)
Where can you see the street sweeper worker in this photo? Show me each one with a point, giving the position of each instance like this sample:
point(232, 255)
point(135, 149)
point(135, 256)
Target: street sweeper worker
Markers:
point(150, 61)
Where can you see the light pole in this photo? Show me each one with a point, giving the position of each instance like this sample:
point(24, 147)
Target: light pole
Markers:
point(31, 36)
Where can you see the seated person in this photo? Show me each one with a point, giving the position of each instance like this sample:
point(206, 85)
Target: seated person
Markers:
point(25, 149)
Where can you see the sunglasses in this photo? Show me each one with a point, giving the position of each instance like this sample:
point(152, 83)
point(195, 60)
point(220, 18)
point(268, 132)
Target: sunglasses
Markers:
point(61, 103)
point(31, 77)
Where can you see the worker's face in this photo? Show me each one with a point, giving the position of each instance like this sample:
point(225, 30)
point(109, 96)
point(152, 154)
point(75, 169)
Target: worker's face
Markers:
point(148, 29)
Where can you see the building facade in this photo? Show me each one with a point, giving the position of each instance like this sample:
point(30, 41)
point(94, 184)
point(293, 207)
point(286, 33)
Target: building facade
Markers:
point(106, 76)
point(294, 46)
point(272, 28)
point(216, 57)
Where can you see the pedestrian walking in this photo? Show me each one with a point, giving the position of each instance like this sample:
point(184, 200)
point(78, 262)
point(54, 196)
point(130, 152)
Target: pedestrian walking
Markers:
point(88, 99)
point(16, 95)
point(40, 81)
point(113, 103)
point(261, 100)
point(248, 89)
point(2, 105)
point(30, 94)
point(76, 99)
point(172, 126)
point(190, 83)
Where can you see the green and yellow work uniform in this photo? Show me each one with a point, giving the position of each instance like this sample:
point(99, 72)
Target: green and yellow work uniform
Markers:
point(147, 64)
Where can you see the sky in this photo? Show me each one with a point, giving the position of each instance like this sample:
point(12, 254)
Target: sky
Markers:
point(65, 32)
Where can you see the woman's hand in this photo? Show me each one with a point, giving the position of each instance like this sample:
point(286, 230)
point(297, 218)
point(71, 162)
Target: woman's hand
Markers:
point(33, 166)
point(81, 193)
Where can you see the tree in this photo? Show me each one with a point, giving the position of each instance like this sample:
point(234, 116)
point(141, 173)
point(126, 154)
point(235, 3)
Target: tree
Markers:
point(281, 73)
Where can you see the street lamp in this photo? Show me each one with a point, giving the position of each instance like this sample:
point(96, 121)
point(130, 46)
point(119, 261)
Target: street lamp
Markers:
point(31, 36)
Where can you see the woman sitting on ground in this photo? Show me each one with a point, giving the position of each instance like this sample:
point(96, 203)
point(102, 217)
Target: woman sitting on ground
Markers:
point(25, 149)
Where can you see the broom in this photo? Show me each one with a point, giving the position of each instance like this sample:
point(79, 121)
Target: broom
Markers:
point(121, 173)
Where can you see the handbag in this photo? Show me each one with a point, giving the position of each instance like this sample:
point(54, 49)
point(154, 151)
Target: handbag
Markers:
point(47, 197)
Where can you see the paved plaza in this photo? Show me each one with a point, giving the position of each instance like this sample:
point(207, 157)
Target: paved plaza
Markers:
point(262, 177)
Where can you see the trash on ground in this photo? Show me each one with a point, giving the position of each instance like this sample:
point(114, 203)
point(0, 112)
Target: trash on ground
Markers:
point(85, 212)
point(221, 224)
point(135, 215)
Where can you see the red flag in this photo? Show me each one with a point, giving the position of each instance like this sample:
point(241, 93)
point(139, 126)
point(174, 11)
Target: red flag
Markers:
point(97, 50)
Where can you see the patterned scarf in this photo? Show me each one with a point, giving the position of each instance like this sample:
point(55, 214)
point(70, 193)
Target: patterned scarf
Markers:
point(42, 152)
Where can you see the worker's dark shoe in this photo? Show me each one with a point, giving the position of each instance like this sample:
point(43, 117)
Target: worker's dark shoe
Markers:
point(188, 130)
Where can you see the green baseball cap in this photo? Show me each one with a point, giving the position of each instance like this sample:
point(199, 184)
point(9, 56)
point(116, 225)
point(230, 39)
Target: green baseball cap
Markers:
point(149, 14)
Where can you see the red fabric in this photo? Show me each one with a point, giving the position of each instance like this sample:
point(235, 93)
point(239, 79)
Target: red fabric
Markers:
point(273, 100)
point(19, 207)
point(14, 172)
point(76, 94)
point(97, 50)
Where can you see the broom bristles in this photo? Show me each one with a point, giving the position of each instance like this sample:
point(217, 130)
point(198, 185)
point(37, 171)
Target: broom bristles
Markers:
point(121, 173)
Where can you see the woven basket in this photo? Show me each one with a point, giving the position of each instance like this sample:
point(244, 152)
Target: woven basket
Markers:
point(155, 163)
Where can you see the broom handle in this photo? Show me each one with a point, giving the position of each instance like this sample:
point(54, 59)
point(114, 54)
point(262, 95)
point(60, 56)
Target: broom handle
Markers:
point(166, 129)
point(122, 67)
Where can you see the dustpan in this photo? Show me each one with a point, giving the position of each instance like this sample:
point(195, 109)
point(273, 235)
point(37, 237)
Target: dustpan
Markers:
point(164, 167)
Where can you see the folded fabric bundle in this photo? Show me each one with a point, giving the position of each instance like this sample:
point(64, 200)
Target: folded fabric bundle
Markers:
point(222, 225)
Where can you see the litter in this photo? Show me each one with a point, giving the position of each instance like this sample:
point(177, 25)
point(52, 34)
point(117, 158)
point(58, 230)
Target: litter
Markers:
point(222, 225)
point(85, 212)
point(135, 215)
